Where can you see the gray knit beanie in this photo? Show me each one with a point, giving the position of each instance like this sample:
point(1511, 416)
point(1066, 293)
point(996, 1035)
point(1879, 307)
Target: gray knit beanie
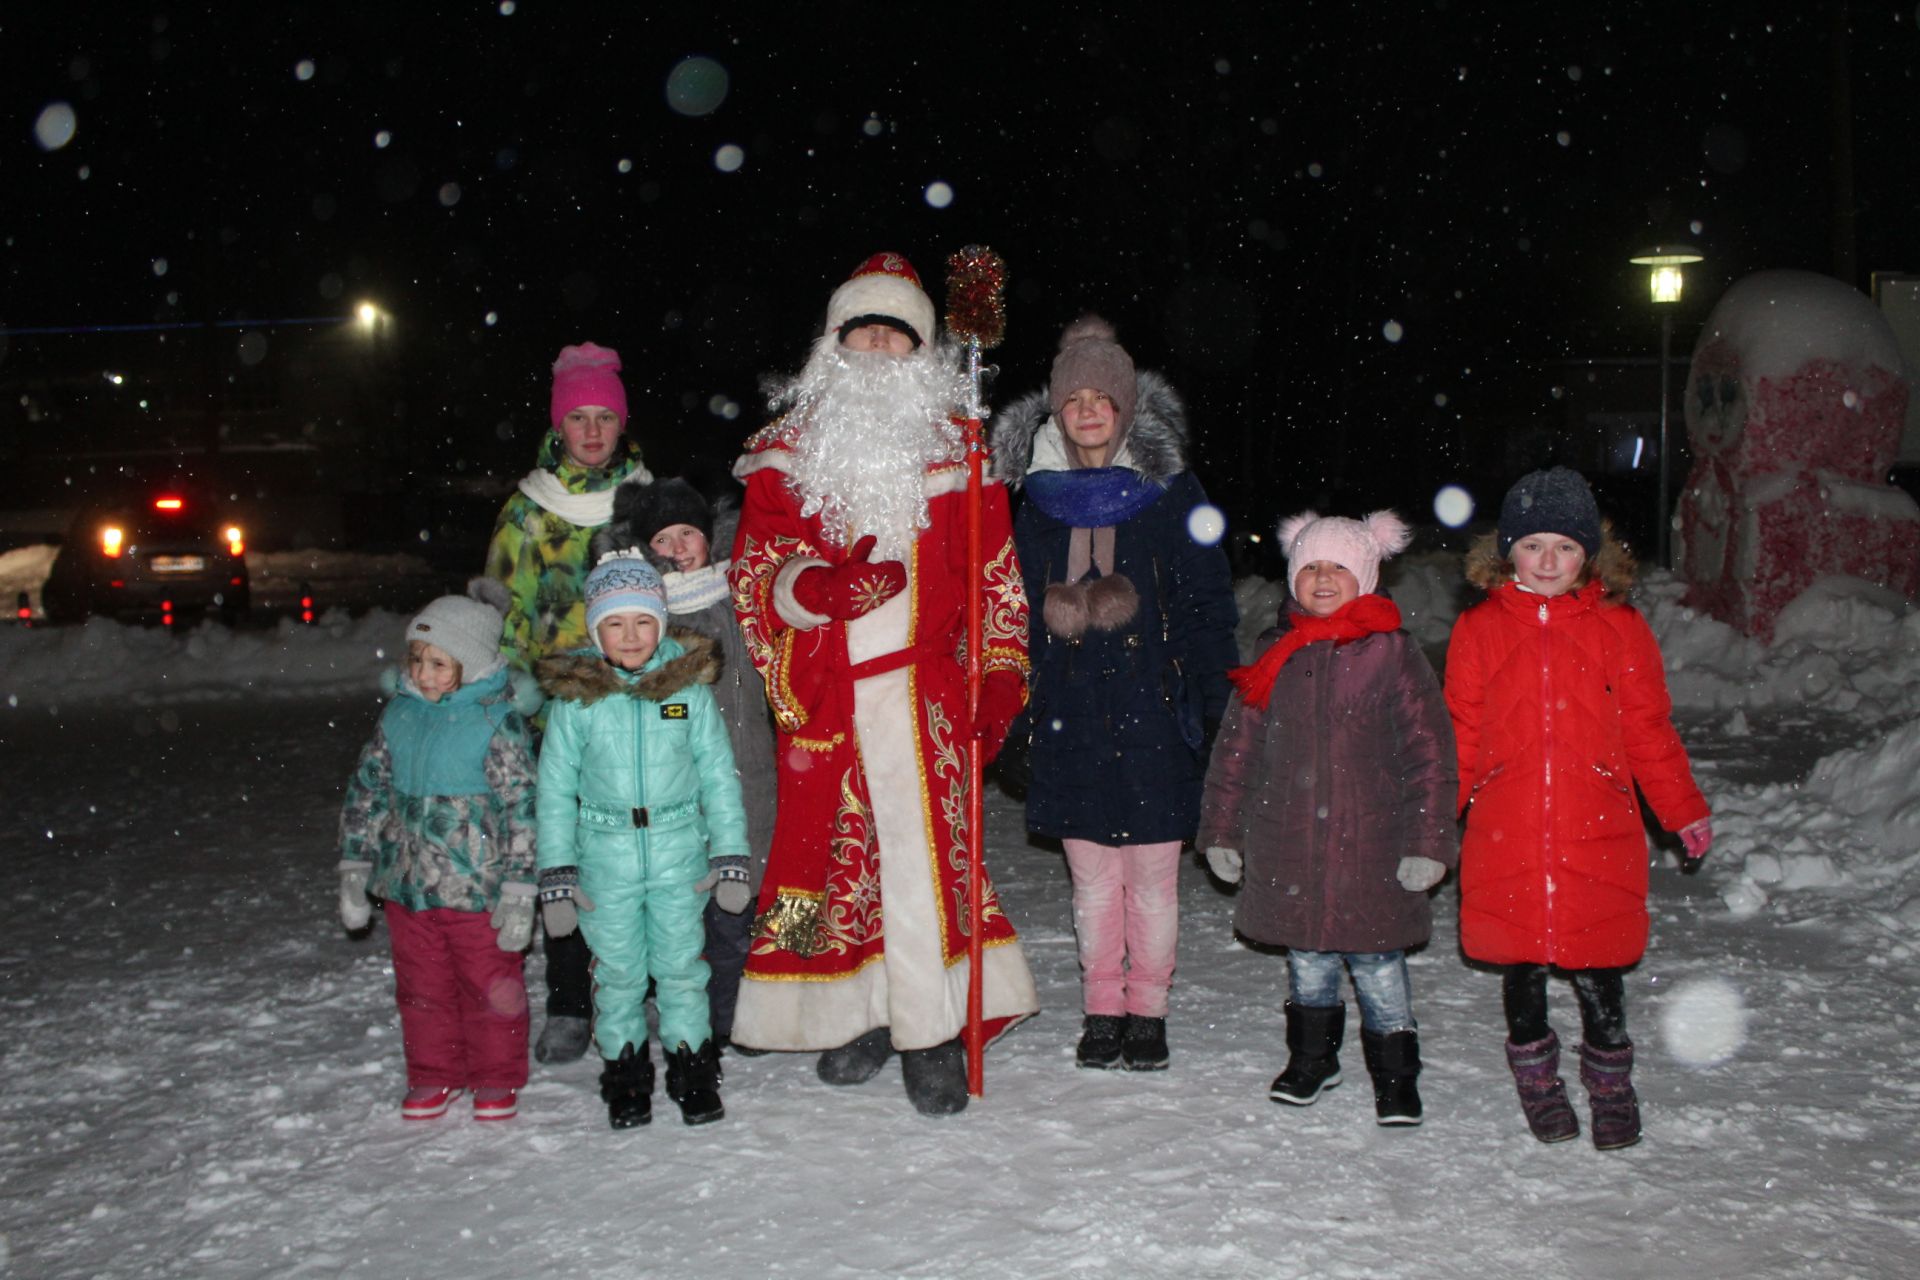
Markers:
point(467, 627)
point(1091, 357)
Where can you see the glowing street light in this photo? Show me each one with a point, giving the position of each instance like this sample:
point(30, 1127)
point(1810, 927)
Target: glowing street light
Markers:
point(1666, 264)
point(369, 316)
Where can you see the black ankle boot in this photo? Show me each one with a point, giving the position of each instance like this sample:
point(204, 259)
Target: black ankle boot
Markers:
point(626, 1086)
point(693, 1081)
point(1100, 1041)
point(936, 1078)
point(1313, 1053)
point(859, 1060)
point(1393, 1060)
point(1144, 1043)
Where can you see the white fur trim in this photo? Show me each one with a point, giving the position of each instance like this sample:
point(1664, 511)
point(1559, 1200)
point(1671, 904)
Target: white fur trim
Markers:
point(1050, 450)
point(883, 295)
point(791, 611)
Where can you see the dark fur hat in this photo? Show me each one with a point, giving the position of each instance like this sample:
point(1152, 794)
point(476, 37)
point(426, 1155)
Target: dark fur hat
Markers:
point(642, 510)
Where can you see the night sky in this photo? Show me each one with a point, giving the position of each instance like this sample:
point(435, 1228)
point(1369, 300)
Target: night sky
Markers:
point(1348, 233)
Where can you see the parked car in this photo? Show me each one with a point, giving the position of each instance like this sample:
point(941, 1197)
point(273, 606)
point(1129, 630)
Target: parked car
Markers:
point(156, 555)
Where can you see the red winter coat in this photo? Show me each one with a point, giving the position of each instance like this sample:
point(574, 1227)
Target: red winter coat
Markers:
point(1559, 707)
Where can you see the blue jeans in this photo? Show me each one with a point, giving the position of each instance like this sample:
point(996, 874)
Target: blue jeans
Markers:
point(1380, 985)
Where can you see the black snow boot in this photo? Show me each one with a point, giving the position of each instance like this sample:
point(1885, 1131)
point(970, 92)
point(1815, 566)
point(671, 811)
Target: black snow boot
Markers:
point(1144, 1045)
point(936, 1078)
point(857, 1061)
point(1313, 1053)
point(1393, 1060)
point(626, 1086)
point(693, 1081)
point(1100, 1041)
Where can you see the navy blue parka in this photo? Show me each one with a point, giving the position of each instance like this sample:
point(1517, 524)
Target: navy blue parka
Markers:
point(1111, 760)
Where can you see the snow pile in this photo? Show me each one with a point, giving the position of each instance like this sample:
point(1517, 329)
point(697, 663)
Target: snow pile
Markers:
point(1878, 786)
point(109, 661)
point(1844, 645)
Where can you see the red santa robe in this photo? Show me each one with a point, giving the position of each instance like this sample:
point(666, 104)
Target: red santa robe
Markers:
point(862, 919)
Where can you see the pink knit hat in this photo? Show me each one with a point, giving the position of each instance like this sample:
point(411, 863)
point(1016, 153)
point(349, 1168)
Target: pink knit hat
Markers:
point(1356, 545)
point(587, 374)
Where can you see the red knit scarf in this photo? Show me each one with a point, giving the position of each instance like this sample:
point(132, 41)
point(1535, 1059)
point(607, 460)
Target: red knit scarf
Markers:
point(1359, 617)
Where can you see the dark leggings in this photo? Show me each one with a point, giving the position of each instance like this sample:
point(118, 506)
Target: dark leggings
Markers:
point(1602, 996)
point(569, 975)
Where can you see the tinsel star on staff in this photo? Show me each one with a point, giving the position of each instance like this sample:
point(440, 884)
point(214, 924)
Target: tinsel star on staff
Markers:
point(977, 315)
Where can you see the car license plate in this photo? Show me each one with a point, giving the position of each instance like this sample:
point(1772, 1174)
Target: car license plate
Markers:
point(177, 564)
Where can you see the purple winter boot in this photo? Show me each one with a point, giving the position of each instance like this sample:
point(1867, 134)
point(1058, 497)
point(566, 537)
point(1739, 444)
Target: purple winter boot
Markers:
point(1608, 1075)
point(1543, 1095)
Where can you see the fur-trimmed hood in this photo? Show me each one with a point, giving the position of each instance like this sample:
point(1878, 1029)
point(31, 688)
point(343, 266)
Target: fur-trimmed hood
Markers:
point(684, 658)
point(1026, 438)
point(1613, 566)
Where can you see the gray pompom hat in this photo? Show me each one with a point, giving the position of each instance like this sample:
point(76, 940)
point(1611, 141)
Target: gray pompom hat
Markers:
point(467, 627)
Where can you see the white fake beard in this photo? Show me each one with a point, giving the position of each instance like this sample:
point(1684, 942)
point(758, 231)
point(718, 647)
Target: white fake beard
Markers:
point(871, 423)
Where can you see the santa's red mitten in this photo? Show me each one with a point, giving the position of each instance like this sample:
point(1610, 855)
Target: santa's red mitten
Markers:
point(1002, 695)
point(852, 588)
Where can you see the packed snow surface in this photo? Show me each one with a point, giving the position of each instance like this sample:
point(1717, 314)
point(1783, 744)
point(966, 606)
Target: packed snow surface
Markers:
point(203, 1073)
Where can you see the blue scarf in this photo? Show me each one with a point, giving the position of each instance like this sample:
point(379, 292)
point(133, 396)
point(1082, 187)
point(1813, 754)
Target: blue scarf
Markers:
point(1092, 498)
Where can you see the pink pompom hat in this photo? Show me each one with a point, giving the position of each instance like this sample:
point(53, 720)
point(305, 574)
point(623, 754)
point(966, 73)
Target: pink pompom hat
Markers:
point(587, 374)
point(1357, 545)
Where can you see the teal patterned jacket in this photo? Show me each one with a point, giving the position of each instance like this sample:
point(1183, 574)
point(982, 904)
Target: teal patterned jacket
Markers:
point(442, 800)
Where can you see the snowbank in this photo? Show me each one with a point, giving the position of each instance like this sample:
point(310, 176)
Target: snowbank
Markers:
point(105, 661)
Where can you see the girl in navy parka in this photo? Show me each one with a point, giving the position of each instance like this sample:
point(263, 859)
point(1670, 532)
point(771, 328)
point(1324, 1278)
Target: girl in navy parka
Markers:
point(438, 825)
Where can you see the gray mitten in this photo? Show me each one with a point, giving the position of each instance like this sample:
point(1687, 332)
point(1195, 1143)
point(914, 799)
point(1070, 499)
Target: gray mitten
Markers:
point(562, 899)
point(727, 877)
point(512, 918)
point(355, 910)
point(1225, 863)
point(1417, 874)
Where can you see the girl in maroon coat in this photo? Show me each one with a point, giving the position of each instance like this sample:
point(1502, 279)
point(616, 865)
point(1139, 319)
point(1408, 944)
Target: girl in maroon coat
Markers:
point(1331, 791)
point(1559, 708)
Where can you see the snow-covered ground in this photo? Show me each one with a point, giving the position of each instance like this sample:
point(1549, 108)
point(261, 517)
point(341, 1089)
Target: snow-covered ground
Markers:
point(202, 1073)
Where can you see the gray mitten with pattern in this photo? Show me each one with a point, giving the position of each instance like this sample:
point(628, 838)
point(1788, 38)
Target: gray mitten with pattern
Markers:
point(727, 877)
point(512, 918)
point(562, 900)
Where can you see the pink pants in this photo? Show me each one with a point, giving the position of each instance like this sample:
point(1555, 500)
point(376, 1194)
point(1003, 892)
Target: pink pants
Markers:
point(1126, 911)
point(463, 1001)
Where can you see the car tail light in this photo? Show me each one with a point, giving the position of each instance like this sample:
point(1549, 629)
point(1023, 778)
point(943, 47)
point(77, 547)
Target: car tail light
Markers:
point(166, 613)
point(169, 504)
point(235, 543)
point(25, 609)
point(111, 538)
point(306, 604)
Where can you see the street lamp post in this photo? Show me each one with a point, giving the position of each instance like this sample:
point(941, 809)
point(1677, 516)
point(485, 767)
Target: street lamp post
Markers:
point(1665, 265)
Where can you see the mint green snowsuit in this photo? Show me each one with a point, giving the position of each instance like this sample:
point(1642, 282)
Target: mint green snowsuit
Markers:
point(638, 791)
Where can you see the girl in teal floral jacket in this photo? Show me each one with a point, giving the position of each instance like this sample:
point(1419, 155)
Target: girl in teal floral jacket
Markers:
point(438, 825)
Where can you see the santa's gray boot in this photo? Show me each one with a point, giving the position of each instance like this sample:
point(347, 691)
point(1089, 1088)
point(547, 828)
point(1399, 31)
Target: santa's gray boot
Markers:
point(857, 1061)
point(936, 1078)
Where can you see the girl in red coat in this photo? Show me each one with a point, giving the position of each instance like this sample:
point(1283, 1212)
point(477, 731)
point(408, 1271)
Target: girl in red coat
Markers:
point(1559, 708)
point(1330, 795)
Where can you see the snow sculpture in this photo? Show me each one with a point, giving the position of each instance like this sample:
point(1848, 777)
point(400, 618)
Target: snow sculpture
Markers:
point(1794, 408)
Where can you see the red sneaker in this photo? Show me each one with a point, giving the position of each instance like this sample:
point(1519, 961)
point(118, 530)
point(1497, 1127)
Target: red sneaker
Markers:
point(428, 1101)
point(495, 1104)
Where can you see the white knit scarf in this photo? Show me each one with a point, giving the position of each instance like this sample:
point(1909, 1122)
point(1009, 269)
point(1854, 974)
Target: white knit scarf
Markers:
point(694, 590)
point(583, 510)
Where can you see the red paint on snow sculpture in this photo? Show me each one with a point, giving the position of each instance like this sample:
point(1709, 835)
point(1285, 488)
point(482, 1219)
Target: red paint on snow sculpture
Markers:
point(1794, 408)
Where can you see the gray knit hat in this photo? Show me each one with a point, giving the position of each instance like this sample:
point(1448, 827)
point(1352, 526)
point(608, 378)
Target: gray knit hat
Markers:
point(467, 627)
point(1091, 357)
point(1556, 501)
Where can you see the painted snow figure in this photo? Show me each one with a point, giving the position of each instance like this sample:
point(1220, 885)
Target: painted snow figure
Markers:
point(1330, 799)
point(539, 550)
point(1129, 663)
point(438, 824)
point(675, 526)
point(1794, 407)
point(1560, 709)
point(640, 819)
point(850, 580)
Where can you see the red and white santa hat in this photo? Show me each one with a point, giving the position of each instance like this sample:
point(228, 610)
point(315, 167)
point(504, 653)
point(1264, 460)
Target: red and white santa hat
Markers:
point(885, 289)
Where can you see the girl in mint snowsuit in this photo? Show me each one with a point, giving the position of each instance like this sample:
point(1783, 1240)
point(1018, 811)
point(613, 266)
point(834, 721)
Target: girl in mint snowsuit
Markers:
point(639, 818)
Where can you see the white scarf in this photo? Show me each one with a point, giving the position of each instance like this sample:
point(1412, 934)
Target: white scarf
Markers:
point(583, 510)
point(694, 590)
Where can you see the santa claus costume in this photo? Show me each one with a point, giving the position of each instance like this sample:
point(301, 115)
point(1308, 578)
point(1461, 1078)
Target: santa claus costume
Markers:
point(850, 581)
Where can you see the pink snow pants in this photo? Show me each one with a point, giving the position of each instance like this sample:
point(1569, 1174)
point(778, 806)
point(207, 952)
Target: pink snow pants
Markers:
point(463, 1001)
point(1126, 911)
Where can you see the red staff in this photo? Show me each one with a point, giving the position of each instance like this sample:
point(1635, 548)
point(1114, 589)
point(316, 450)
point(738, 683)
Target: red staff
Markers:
point(977, 315)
